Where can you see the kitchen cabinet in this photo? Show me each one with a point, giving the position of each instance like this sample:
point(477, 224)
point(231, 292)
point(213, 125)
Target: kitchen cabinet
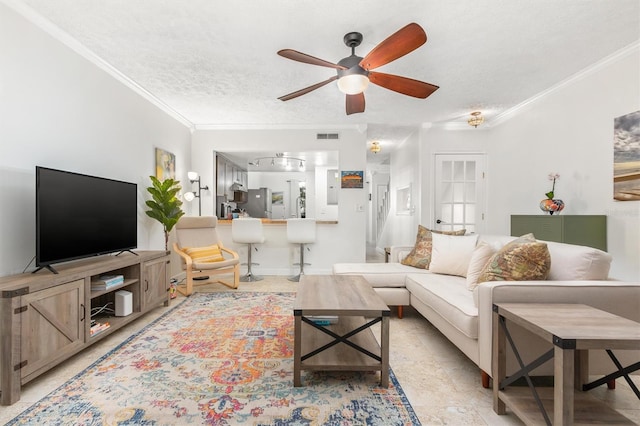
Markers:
point(228, 173)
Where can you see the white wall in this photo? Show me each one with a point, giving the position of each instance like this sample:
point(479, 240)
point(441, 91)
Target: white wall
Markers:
point(343, 242)
point(406, 168)
point(59, 110)
point(570, 131)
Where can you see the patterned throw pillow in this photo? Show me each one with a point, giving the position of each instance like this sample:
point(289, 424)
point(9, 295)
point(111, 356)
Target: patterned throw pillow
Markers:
point(523, 259)
point(204, 254)
point(420, 256)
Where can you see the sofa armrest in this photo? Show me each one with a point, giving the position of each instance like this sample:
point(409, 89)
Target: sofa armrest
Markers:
point(620, 298)
point(398, 253)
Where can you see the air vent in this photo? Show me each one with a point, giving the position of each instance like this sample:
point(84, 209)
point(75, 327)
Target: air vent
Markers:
point(332, 136)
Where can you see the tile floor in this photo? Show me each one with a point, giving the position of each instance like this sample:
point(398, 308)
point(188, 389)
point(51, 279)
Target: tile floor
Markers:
point(442, 385)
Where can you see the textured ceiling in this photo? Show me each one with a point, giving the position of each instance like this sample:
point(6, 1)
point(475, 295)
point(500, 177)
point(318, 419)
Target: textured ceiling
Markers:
point(215, 64)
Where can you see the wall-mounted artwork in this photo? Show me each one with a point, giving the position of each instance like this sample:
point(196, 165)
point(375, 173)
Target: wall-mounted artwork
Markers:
point(626, 157)
point(352, 179)
point(165, 165)
point(277, 198)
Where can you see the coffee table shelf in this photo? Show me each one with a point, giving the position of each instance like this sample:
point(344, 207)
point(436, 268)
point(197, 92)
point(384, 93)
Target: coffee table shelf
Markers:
point(340, 357)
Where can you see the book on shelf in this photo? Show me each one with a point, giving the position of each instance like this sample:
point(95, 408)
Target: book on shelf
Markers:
point(106, 281)
point(323, 319)
point(97, 327)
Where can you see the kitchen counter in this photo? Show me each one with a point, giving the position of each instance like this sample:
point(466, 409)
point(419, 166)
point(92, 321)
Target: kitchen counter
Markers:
point(278, 222)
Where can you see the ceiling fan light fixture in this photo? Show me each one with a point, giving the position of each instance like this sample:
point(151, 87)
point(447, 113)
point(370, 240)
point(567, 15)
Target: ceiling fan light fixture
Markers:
point(476, 119)
point(353, 84)
point(375, 147)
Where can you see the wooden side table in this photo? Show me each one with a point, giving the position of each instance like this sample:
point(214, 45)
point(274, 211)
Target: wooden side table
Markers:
point(572, 329)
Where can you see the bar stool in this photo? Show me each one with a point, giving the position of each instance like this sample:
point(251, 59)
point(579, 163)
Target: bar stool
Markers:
point(248, 231)
point(301, 231)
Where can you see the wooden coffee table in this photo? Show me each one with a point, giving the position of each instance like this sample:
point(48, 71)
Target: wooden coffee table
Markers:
point(349, 344)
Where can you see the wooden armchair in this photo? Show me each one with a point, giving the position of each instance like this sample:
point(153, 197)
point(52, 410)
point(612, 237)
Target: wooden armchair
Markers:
point(203, 253)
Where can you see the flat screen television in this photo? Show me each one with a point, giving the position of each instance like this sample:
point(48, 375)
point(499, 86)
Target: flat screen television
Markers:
point(79, 216)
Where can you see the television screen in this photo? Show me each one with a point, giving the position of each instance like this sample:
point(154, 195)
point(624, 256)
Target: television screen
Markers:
point(80, 216)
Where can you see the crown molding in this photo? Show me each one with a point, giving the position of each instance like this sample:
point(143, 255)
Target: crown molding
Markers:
point(257, 126)
point(54, 31)
point(606, 61)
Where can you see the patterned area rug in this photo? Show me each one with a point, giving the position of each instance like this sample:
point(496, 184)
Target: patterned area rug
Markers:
point(219, 359)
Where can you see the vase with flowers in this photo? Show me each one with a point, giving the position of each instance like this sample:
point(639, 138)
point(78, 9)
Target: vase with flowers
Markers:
point(552, 205)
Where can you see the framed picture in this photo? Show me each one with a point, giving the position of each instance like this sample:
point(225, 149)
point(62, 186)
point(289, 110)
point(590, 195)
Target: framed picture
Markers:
point(626, 157)
point(352, 179)
point(277, 198)
point(165, 165)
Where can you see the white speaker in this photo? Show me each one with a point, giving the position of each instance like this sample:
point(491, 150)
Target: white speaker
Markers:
point(124, 303)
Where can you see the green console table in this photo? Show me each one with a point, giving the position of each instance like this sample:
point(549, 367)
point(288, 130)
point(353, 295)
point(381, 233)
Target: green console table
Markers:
point(584, 230)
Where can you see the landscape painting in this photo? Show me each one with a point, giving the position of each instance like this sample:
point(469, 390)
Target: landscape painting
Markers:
point(352, 179)
point(626, 157)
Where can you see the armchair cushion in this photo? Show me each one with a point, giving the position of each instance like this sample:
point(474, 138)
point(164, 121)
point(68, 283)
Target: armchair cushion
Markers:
point(206, 254)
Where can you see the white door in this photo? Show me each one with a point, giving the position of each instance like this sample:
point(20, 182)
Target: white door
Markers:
point(459, 191)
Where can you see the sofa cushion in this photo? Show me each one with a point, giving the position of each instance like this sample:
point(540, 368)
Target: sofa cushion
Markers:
point(451, 254)
point(481, 255)
point(378, 274)
point(420, 256)
point(523, 259)
point(571, 262)
point(449, 297)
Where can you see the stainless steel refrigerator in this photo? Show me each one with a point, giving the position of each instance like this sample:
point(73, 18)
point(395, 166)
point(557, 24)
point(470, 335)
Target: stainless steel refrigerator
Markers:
point(258, 203)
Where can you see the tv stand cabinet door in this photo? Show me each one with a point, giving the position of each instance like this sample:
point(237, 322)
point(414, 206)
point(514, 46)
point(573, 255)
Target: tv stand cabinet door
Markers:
point(155, 283)
point(52, 327)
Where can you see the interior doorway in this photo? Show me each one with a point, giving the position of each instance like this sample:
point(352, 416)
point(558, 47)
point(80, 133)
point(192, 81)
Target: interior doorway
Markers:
point(459, 192)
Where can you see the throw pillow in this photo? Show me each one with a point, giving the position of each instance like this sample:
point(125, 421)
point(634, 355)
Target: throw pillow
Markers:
point(420, 256)
point(451, 254)
point(204, 254)
point(524, 259)
point(481, 255)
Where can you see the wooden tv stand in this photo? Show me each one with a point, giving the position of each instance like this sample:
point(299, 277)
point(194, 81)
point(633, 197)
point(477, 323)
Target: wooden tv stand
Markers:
point(45, 317)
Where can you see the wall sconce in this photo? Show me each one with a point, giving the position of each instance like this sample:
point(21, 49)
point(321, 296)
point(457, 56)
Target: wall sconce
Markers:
point(476, 119)
point(375, 147)
point(189, 196)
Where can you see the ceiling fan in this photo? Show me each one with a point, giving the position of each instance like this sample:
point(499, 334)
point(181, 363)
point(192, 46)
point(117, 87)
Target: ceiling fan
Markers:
point(354, 72)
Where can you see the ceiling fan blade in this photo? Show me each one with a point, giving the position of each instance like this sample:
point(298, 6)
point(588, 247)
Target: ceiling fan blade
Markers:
point(404, 85)
point(355, 103)
point(308, 59)
point(307, 89)
point(398, 44)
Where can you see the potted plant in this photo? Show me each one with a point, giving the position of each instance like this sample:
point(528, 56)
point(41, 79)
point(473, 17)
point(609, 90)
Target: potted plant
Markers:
point(164, 205)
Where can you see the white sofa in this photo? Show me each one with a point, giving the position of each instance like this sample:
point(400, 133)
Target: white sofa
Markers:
point(577, 274)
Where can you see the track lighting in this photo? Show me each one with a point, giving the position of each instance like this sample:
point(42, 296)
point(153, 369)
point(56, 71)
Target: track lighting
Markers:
point(284, 161)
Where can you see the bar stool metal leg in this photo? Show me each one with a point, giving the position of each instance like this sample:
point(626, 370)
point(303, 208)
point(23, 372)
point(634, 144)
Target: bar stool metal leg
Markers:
point(250, 276)
point(296, 278)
